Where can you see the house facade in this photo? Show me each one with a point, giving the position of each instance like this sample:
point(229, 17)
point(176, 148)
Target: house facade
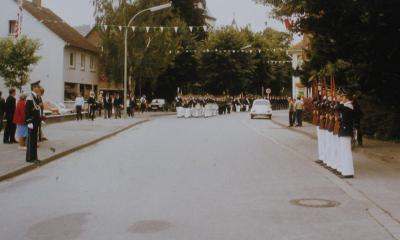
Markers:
point(297, 55)
point(68, 63)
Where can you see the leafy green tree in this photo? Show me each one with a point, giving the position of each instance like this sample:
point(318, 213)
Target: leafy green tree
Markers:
point(16, 60)
point(223, 71)
point(361, 40)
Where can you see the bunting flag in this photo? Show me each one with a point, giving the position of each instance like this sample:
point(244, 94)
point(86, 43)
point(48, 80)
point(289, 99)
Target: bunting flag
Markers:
point(176, 29)
point(191, 29)
point(147, 29)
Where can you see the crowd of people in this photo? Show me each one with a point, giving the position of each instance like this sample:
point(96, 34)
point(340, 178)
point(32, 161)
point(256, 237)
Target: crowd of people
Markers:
point(23, 120)
point(207, 105)
point(108, 105)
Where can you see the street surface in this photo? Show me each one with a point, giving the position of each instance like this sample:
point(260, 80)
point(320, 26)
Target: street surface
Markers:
point(223, 178)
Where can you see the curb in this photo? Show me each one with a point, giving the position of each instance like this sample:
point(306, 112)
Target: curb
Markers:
point(310, 135)
point(57, 156)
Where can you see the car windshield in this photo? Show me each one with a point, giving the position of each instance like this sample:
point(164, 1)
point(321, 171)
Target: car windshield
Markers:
point(262, 103)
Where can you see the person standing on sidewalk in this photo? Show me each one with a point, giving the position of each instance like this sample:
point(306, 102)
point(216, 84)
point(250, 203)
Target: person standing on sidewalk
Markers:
point(2, 110)
point(92, 105)
point(9, 133)
point(299, 106)
point(292, 112)
point(79, 103)
point(100, 100)
point(118, 104)
point(19, 120)
point(107, 103)
point(33, 119)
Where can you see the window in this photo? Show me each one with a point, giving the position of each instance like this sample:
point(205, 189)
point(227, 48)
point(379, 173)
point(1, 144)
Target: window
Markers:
point(70, 91)
point(83, 62)
point(92, 63)
point(12, 25)
point(72, 60)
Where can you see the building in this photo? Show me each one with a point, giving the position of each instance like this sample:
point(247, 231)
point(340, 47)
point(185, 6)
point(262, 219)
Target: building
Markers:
point(297, 54)
point(68, 62)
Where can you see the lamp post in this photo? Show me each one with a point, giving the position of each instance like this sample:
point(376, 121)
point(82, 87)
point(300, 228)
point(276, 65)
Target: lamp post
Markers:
point(152, 9)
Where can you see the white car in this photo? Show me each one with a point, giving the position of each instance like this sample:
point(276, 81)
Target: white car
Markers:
point(261, 107)
point(158, 105)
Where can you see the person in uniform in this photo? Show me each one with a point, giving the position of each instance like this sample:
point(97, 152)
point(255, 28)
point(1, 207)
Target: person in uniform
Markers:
point(346, 111)
point(33, 119)
point(9, 132)
point(2, 110)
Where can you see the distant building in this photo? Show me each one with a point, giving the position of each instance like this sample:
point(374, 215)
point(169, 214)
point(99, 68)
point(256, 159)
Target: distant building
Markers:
point(210, 20)
point(297, 54)
point(68, 62)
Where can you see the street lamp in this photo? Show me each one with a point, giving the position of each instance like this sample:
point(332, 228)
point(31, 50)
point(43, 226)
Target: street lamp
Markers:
point(152, 9)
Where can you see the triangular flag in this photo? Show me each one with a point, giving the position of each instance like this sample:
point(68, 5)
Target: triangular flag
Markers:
point(147, 29)
point(162, 29)
point(120, 28)
point(191, 29)
point(105, 27)
point(259, 50)
point(133, 29)
point(176, 29)
point(205, 28)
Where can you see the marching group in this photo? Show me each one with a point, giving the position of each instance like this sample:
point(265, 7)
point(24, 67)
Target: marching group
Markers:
point(209, 106)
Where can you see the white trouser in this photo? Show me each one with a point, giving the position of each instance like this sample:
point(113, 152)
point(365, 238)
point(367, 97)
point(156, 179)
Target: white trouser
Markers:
point(320, 157)
point(237, 108)
point(188, 112)
point(346, 157)
point(247, 108)
point(323, 145)
point(332, 158)
point(328, 146)
point(336, 152)
point(180, 112)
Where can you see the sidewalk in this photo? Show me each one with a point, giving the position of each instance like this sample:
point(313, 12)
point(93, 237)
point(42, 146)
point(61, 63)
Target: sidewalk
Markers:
point(65, 138)
point(377, 167)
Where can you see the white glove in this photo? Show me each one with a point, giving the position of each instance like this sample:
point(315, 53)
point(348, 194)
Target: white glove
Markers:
point(30, 125)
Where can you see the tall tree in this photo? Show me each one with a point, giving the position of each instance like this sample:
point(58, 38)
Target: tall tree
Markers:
point(16, 60)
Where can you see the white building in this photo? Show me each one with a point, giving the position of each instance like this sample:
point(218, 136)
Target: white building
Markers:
point(297, 53)
point(68, 61)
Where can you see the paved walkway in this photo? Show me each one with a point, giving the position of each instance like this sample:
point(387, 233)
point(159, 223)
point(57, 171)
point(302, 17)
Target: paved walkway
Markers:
point(64, 138)
point(377, 167)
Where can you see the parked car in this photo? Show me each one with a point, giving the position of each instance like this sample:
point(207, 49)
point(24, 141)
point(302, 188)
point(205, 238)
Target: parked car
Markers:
point(158, 105)
point(261, 107)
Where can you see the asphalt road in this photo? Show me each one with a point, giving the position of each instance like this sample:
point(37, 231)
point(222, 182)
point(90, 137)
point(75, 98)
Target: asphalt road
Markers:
point(227, 177)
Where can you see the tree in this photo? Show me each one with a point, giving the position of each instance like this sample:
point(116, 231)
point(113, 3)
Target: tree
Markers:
point(361, 40)
point(16, 60)
point(224, 71)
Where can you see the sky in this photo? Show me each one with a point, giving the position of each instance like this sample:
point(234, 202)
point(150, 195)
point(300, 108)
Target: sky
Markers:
point(80, 12)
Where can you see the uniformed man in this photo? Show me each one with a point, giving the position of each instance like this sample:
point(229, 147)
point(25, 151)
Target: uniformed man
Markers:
point(33, 118)
point(345, 133)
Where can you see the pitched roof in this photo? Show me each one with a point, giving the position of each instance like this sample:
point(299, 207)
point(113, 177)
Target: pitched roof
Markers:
point(58, 26)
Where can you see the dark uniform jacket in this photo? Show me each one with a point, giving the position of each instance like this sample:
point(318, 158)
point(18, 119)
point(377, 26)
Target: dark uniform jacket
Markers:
point(10, 108)
point(346, 115)
point(2, 107)
point(32, 111)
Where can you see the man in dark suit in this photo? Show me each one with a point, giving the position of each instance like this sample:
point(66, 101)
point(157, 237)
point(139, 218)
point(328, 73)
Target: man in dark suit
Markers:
point(9, 133)
point(33, 119)
point(2, 110)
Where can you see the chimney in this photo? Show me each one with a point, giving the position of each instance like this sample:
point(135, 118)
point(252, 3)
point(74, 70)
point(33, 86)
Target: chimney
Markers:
point(37, 3)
